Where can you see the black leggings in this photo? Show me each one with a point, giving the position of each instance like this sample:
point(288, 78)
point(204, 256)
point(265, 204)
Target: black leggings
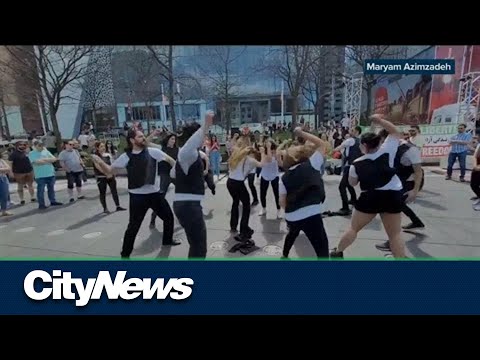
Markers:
point(102, 183)
point(263, 191)
point(315, 232)
point(475, 182)
point(251, 185)
point(343, 187)
point(239, 193)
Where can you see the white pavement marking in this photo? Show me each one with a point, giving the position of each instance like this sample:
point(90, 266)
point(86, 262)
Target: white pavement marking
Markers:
point(56, 232)
point(24, 230)
point(272, 250)
point(219, 245)
point(92, 235)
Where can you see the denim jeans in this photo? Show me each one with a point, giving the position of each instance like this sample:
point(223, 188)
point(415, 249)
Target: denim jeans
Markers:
point(49, 182)
point(462, 160)
point(4, 192)
point(215, 159)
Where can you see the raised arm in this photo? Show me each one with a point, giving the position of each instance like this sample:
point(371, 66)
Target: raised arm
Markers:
point(387, 125)
point(315, 140)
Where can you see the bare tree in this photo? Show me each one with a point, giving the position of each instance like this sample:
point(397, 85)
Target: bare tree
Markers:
point(165, 58)
point(216, 65)
point(359, 53)
point(291, 63)
point(56, 68)
point(97, 85)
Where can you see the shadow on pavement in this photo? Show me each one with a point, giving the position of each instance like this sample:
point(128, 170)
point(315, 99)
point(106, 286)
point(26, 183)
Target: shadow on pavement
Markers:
point(430, 205)
point(33, 212)
point(88, 221)
point(153, 242)
point(412, 245)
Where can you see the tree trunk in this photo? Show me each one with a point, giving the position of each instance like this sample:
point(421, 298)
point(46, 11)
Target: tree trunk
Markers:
point(94, 120)
point(294, 110)
point(43, 110)
point(320, 103)
point(5, 118)
point(171, 88)
point(56, 130)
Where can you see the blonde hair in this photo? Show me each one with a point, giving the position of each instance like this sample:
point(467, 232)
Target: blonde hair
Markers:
point(240, 151)
point(297, 154)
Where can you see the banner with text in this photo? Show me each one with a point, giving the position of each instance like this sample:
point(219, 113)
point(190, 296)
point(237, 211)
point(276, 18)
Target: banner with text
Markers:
point(239, 287)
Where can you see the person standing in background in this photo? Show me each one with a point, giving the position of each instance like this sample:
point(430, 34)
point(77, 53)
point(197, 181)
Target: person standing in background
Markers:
point(42, 161)
point(459, 151)
point(215, 156)
point(22, 170)
point(4, 187)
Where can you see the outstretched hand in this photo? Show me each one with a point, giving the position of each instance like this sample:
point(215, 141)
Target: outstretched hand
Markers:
point(298, 131)
point(209, 118)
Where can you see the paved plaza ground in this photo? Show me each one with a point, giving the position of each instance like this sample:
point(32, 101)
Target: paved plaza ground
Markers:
point(80, 230)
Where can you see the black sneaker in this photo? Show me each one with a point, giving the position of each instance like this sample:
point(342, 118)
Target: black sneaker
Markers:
point(413, 226)
point(335, 254)
point(22, 202)
point(474, 198)
point(385, 246)
point(233, 231)
point(56, 203)
point(255, 203)
point(462, 179)
point(448, 177)
point(81, 197)
point(33, 200)
point(344, 212)
point(42, 207)
point(213, 191)
point(72, 200)
point(174, 242)
point(119, 208)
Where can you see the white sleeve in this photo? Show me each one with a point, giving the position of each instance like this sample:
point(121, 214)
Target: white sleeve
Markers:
point(316, 160)
point(121, 162)
point(172, 172)
point(390, 146)
point(281, 188)
point(348, 143)
point(352, 172)
point(414, 155)
point(157, 154)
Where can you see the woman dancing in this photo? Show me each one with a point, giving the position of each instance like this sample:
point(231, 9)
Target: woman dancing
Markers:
point(103, 180)
point(381, 188)
point(240, 164)
point(302, 192)
point(269, 175)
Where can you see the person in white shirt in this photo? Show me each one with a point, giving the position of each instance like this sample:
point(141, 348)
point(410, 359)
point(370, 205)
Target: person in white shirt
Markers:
point(302, 192)
point(381, 189)
point(269, 174)
point(241, 163)
point(141, 163)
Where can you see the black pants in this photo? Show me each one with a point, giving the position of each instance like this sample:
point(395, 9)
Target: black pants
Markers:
point(409, 185)
point(209, 180)
point(165, 181)
point(139, 205)
point(251, 185)
point(263, 191)
point(475, 182)
point(315, 232)
point(239, 193)
point(190, 217)
point(102, 183)
point(343, 187)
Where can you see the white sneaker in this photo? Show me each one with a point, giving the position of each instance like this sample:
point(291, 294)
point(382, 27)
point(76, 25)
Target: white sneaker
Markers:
point(262, 212)
point(279, 214)
point(477, 202)
point(476, 207)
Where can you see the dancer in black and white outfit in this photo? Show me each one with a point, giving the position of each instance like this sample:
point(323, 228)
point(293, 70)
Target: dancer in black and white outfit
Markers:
point(241, 163)
point(302, 192)
point(381, 189)
point(141, 163)
point(190, 187)
point(269, 175)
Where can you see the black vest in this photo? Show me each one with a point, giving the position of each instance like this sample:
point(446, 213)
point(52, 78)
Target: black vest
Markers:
point(354, 152)
point(304, 187)
point(193, 181)
point(107, 161)
point(163, 166)
point(403, 171)
point(374, 174)
point(141, 169)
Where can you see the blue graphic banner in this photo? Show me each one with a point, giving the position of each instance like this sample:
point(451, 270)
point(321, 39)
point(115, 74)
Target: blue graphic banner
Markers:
point(409, 66)
point(239, 287)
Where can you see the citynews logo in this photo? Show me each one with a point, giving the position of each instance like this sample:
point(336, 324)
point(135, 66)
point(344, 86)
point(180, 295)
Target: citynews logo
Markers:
point(60, 285)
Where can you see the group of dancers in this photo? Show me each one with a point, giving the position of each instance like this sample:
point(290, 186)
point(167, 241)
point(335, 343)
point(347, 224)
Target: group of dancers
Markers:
point(293, 168)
